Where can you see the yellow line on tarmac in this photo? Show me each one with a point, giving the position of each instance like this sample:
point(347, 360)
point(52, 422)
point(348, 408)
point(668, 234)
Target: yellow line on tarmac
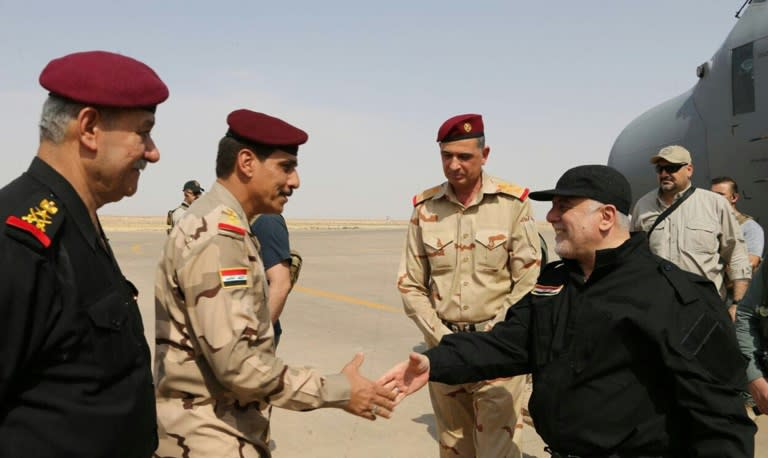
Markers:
point(347, 299)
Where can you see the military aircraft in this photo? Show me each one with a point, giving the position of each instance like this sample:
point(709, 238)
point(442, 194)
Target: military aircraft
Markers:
point(722, 120)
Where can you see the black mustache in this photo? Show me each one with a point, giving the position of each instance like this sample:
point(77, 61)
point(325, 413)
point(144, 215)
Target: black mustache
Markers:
point(288, 193)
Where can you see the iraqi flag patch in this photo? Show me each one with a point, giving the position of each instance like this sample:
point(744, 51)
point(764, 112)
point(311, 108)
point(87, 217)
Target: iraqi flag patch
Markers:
point(546, 290)
point(234, 278)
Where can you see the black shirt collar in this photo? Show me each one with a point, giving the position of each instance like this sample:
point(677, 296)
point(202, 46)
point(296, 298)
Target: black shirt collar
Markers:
point(609, 258)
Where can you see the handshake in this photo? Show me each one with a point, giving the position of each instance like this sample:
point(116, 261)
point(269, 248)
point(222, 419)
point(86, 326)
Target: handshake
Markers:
point(369, 399)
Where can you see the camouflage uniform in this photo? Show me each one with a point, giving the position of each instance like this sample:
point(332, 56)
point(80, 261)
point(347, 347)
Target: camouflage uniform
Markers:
point(216, 367)
point(462, 268)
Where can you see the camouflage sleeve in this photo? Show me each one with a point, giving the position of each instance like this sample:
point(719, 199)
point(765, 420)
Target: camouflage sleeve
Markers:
point(524, 258)
point(733, 249)
point(413, 280)
point(227, 312)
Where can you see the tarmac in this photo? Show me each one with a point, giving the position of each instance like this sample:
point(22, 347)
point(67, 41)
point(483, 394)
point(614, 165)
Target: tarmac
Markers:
point(345, 302)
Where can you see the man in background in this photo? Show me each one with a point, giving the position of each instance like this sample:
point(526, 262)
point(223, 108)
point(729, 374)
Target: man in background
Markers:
point(192, 192)
point(753, 232)
point(693, 228)
point(472, 251)
point(281, 265)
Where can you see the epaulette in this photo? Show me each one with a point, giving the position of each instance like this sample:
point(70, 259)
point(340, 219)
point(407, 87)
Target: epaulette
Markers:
point(552, 279)
point(36, 224)
point(424, 195)
point(230, 224)
point(511, 189)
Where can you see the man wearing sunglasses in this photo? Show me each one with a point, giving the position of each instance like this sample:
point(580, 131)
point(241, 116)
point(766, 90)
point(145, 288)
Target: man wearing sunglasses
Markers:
point(696, 229)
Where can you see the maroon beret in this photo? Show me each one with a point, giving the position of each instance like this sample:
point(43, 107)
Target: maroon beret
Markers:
point(104, 78)
point(461, 127)
point(252, 127)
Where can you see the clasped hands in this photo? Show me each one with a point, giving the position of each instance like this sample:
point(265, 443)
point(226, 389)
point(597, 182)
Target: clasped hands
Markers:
point(370, 399)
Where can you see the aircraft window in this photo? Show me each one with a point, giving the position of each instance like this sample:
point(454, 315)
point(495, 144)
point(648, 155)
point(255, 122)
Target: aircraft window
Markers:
point(742, 79)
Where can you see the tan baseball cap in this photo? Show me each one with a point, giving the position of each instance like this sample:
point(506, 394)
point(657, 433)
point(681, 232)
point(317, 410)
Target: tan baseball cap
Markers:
point(674, 154)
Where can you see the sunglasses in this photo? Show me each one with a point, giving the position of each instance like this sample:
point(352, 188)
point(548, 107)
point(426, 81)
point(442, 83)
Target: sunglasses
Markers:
point(669, 168)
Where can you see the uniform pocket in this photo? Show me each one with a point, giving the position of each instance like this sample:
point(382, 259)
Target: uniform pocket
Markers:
point(441, 251)
point(701, 236)
point(491, 249)
point(114, 345)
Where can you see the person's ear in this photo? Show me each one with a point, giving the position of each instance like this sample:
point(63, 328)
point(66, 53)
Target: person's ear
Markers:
point(245, 162)
point(88, 120)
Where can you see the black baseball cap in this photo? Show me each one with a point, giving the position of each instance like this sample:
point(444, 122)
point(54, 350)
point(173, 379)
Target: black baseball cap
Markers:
point(194, 186)
point(597, 182)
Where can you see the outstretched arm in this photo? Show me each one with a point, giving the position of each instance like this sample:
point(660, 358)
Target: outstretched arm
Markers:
point(408, 376)
point(368, 399)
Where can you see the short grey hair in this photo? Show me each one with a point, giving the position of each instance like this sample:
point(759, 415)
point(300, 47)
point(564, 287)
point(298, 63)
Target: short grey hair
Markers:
point(57, 113)
point(622, 220)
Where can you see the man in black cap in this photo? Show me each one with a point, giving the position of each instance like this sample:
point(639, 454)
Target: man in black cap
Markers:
point(75, 370)
point(630, 356)
point(192, 191)
point(216, 366)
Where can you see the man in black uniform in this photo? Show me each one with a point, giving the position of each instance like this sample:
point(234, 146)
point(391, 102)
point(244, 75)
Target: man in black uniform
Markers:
point(75, 371)
point(630, 356)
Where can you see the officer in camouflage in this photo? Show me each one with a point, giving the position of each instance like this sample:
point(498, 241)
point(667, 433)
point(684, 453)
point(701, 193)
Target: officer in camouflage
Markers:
point(472, 251)
point(216, 366)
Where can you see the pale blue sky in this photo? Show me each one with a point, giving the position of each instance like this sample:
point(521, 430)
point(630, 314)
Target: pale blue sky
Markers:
point(370, 82)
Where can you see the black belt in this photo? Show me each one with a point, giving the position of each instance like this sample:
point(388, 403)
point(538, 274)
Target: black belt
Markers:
point(464, 327)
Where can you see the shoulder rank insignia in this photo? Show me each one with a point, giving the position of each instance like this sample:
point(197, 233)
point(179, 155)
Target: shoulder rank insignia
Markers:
point(511, 189)
point(230, 223)
point(424, 195)
point(236, 277)
point(37, 221)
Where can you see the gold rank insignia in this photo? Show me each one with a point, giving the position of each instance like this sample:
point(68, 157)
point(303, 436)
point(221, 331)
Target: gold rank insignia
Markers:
point(511, 189)
point(467, 127)
point(232, 217)
point(40, 216)
point(230, 222)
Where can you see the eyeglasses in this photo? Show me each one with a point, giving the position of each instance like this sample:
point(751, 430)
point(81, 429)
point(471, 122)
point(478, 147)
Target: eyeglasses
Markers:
point(669, 168)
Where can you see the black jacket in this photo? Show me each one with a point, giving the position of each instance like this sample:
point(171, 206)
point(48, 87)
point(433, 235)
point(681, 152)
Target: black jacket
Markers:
point(640, 359)
point(75, 376)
